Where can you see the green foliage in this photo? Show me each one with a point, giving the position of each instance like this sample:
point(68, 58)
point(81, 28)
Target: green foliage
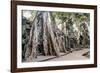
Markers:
point(63, 16)
point(82, 17)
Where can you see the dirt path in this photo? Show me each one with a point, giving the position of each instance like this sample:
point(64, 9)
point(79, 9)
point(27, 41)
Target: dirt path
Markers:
point(75, 55)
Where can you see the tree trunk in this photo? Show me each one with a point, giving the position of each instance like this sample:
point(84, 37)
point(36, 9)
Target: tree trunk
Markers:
point(45, 37)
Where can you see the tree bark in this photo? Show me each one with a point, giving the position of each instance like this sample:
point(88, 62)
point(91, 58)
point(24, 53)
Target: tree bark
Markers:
point(45, 37)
